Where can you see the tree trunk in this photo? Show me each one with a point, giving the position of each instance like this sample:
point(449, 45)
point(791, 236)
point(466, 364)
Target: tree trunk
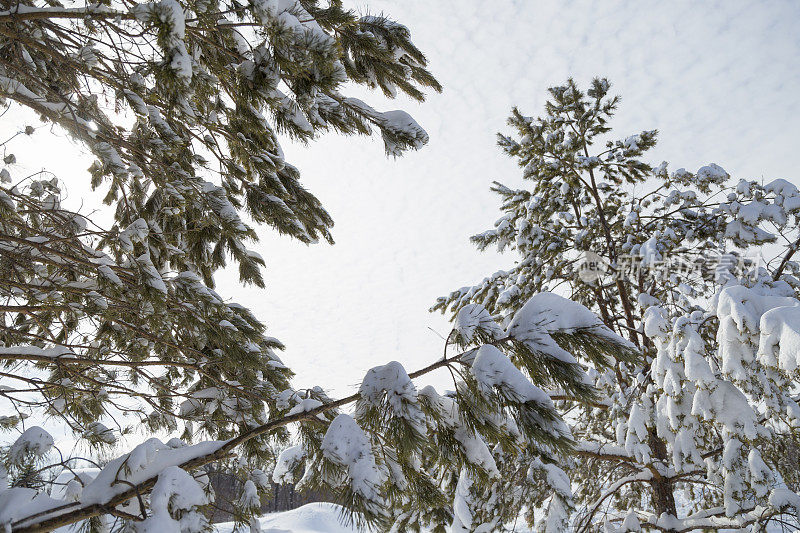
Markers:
point(663, 498)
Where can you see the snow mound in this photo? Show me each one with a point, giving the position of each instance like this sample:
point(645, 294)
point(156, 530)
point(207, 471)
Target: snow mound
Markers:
point(310, 518)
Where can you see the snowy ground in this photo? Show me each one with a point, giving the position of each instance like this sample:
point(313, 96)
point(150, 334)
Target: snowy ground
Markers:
point(310, 518)
point(324, 518)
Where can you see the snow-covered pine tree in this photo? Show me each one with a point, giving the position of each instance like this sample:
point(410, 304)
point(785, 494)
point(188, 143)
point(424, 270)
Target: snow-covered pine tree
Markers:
point(691, 437)
point(413, 458)
point(112, 328)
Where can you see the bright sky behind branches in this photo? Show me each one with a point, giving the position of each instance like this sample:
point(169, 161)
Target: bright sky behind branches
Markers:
point(720, 80)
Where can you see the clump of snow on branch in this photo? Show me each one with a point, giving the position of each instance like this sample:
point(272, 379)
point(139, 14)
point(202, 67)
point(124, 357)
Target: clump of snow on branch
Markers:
point(546, 313)
point(493, 369)
point(473, 322)
point(390, 383)
point(173, 504)
point(288, 461)
point(346, 445)
point(33, 441)
point(474, 448)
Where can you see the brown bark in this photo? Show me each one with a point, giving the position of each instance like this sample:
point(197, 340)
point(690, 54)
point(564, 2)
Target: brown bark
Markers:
point(663, 498)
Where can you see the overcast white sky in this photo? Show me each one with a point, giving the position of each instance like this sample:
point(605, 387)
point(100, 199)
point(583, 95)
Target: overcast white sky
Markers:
point(720, 80)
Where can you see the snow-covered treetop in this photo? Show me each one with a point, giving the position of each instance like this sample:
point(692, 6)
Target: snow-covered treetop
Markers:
point(592, 194)
point(697, 270)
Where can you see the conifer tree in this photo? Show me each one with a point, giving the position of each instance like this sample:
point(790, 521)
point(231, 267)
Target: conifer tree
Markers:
point(115, 329)
point(690, 436)
point(408, 458)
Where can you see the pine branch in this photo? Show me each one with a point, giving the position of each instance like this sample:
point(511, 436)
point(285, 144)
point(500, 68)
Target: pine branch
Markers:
point(30, 13)
point(74, 512)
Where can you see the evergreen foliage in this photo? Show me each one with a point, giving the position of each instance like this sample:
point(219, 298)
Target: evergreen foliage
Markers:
point(408, 457)
point(631, 371)
point(685, 437)
point(115, 328)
